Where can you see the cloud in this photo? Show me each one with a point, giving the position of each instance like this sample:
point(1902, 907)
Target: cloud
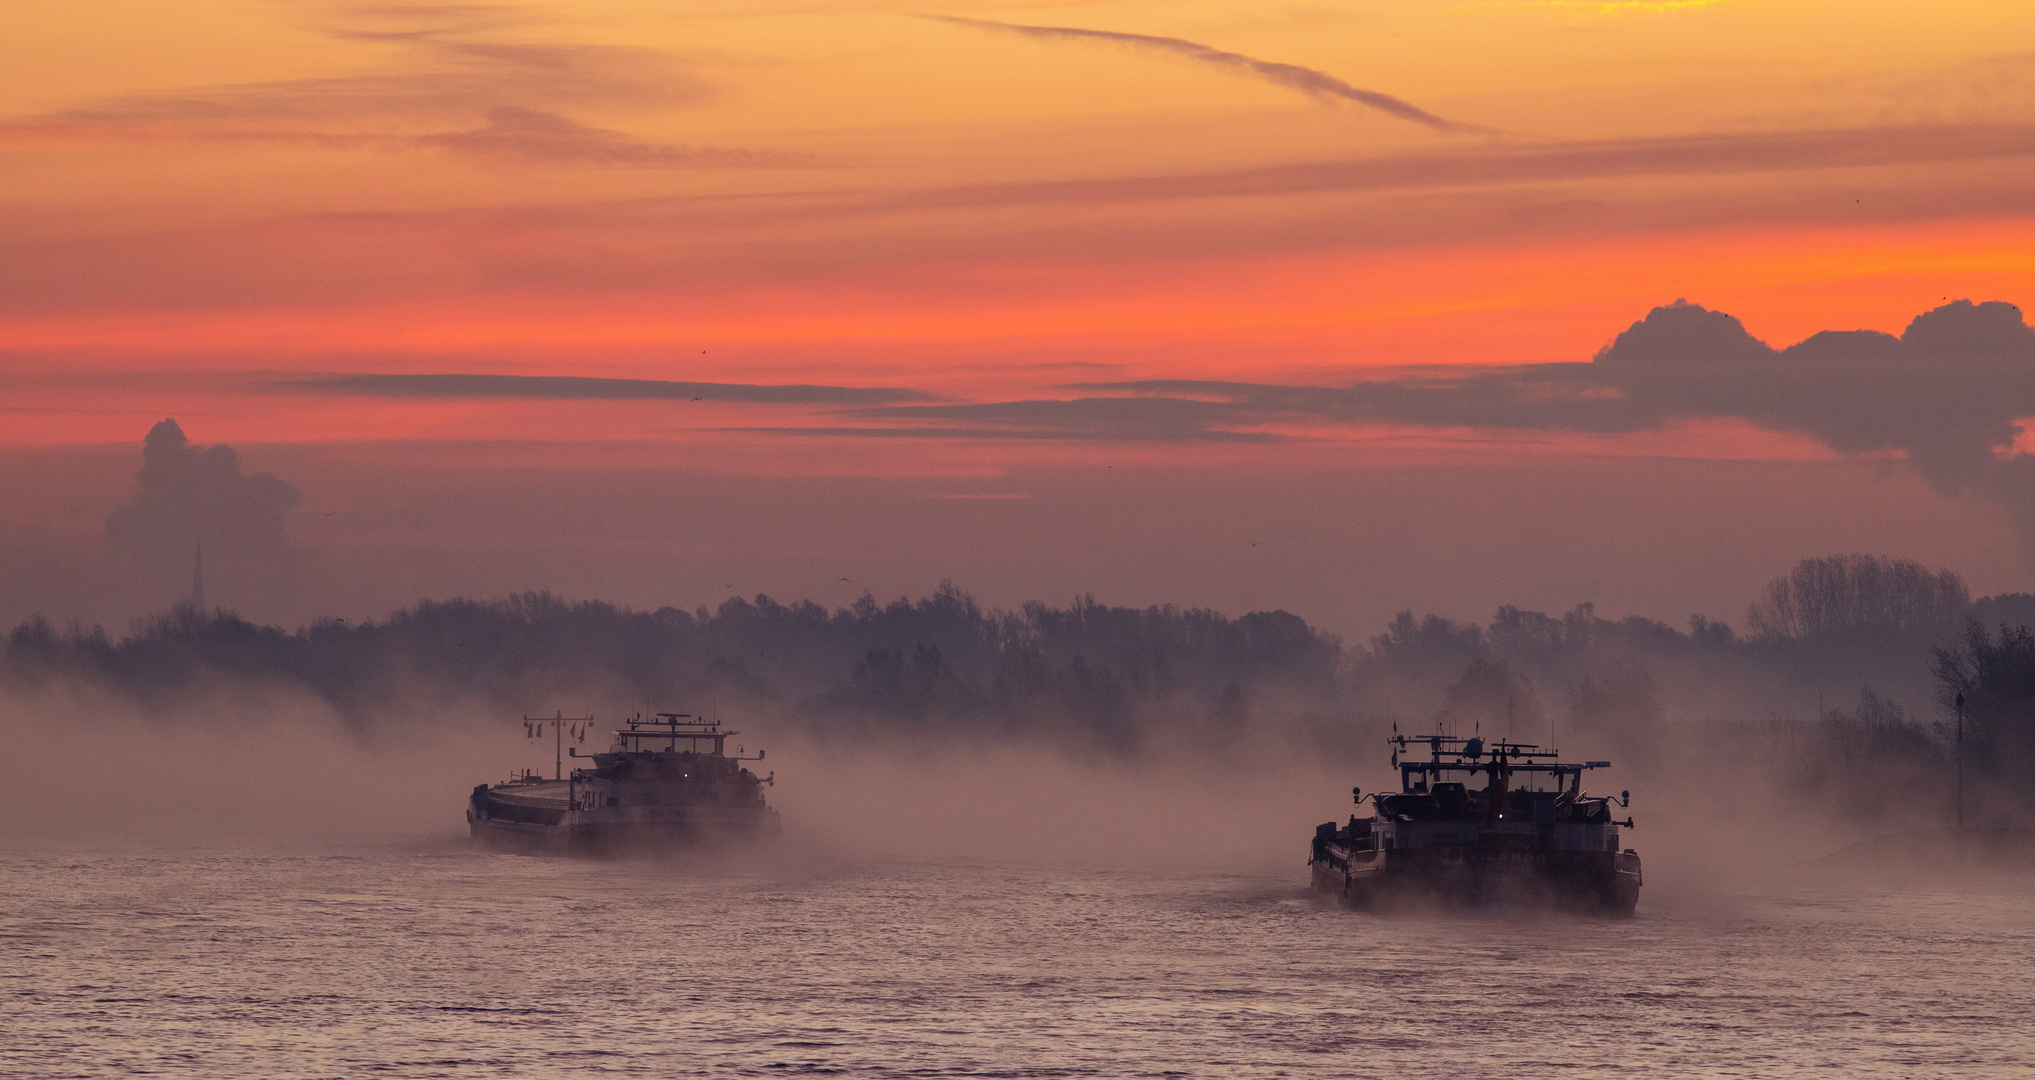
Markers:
point(1684, 333)
point(1947, 392)
point(1543, 396)
point(1948, 396)
point(1602, 7)
point(1107, 419)
point(443, 73)
point(1515, 164)
point(700, 245)
point(439, 78)
point(1318, 85)
point(187, 495)
point(527, 135)
point(511, 134)
point(1175, 410)
point(395, 22)
point(577, 388)
point(1044, 431)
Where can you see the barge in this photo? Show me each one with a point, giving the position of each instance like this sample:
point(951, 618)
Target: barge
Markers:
point(665, 783)
point(1529, 834)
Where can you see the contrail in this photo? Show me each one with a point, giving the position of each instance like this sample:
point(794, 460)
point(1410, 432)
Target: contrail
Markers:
point(1319, 85)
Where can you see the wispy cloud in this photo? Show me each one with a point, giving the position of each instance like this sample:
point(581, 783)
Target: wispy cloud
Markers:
point(442, 73)
point(437, 79)
point(1318, 85)
point(1515, 164)
point(1036, 433)
point(510, 134)
point(397, 22)
point(1107, 419)
point(527, 135)
point(1597, 9)
point(571, 388)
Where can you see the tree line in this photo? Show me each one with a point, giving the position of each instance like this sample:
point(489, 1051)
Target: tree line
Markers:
point(1842, 681)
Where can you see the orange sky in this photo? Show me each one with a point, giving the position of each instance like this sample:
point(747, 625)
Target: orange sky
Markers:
point(253, 185)
point(211, 200)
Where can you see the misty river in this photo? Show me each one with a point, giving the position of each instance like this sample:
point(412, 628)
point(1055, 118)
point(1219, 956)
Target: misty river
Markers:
point(436, 960)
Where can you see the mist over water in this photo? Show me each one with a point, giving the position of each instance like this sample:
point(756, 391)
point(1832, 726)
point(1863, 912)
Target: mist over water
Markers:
point(268, 769)
point(1066, 842)
point(251, 767)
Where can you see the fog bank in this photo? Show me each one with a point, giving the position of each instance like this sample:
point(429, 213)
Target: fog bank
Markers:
point(942, 729)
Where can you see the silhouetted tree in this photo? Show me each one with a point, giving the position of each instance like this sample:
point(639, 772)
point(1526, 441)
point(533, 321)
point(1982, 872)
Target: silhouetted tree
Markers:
point(1490, 697)
point(1106, 673)
point(1619, 698)
point(1868, 763)
point(914, 688)
point(1847, 595)
point(1995, 674)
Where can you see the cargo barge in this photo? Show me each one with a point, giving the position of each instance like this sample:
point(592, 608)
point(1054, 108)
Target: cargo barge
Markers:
point(664, 783)
point(1528, 835)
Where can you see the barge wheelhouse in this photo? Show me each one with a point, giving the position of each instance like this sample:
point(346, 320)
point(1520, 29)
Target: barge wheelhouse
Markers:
point(1506, 821)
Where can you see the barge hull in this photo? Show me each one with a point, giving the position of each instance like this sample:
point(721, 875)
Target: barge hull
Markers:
point(530, 819)
point(1387, 879)
point(615, 838)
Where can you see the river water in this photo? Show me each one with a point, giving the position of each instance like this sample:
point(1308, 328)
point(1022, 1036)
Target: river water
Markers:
point(438, 961)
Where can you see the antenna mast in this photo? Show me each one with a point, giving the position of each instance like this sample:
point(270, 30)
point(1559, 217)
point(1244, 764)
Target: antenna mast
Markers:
point(557, 722)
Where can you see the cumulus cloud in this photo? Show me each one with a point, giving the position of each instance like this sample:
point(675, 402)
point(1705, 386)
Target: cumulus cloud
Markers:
point(1948, 393)
point(1318, 85)
point(188, 495)
point(1685, 333)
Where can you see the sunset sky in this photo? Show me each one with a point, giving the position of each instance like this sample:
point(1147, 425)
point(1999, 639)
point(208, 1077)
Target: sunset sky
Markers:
point(815, 297)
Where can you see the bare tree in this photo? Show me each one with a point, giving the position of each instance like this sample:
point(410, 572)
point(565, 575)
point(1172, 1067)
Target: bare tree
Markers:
point(1852, 594)
point(1992, 678)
